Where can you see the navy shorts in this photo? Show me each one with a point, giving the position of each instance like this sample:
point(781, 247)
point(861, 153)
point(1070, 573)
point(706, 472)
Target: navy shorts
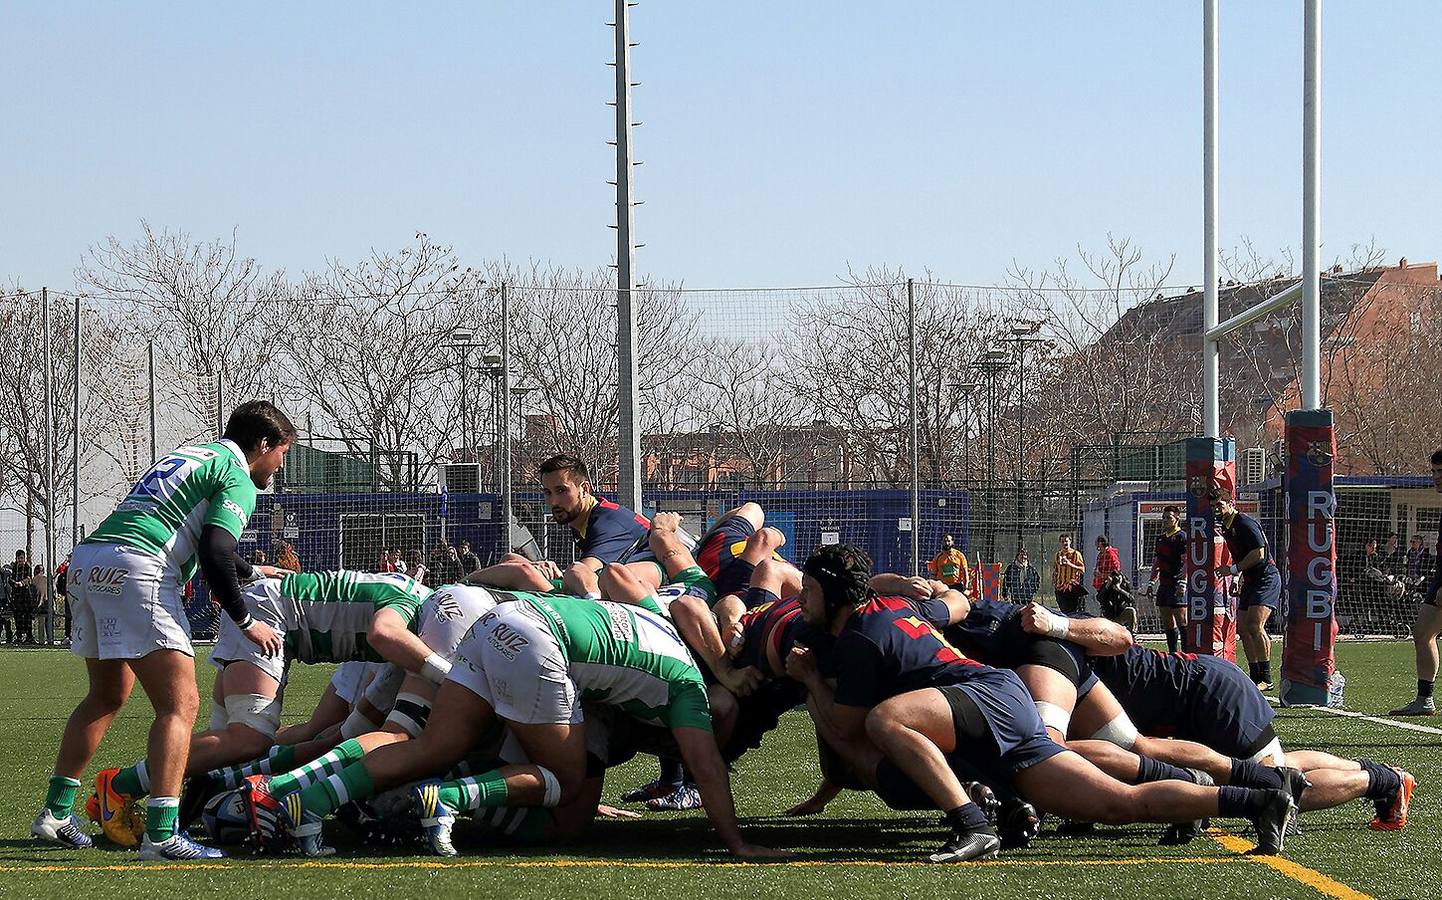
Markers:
point(1225, 710)
point(1264, 589)
point(719, 555)
point(1170, 595)
point(1061, 656)
point(1015, 738)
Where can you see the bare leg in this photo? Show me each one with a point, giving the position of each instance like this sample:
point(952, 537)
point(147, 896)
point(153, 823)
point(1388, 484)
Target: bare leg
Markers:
point(168, 678)
point(236, 743)
point(914, 730)
point(111, 681)
point(1067, 785)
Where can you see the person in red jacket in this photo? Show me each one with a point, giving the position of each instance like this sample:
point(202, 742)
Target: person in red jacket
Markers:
point(1107, 563)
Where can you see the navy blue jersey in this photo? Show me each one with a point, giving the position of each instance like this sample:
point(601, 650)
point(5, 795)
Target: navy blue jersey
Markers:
point(778, 624)
point(887, 648)
point(611, 532)
point(1171, 557)
point(1243, 535)
point(991, 632)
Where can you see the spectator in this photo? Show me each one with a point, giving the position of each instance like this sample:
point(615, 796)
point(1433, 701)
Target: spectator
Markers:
point(384, 565)
point(1419, 560)
point(24, 602)
point(1021, 581)
point(1107, 563)
point(950, 566)
point(416, 566)
point(445, 564)
point(470, 562)
point(1066, 576)
point(5, 610)
point(257, 557)
point(286, 558)
point(62, 594)
point(397, 563)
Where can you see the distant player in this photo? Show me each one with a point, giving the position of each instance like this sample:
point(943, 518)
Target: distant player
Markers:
point(1169, 557)
point(126, 583)
point(1428, 626)
point(1261, 590)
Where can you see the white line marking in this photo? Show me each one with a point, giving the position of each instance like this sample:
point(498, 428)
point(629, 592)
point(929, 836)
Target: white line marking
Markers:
point(1409, 726)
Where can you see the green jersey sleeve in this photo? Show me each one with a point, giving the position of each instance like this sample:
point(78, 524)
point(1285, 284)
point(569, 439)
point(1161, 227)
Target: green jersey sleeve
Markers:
point(233, 503)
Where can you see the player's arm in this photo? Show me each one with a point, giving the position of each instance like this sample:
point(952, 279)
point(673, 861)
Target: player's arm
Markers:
point(837, 723)
point(703, 761)
point(824, 794)
point(1099, 637)
point(914, 587)
point(391, 637)
point(581, 578)
point(222, 568)
point(515, 576)
point(670, 551)
point(698, 628)
point(1252, 560)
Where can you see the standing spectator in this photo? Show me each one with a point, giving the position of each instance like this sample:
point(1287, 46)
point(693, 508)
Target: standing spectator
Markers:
point(397, 563)
point(24, 601)
point(62, 594)
point(257, 557)
point(1021, 581)
point(1419, 560)
point(384, 565)
point(5, 611)
point(1107, 563)
point(286, 558)
point(1067, 568)
point(949, 566)
point(445, 564)
point(469, 561)
point(416, 567)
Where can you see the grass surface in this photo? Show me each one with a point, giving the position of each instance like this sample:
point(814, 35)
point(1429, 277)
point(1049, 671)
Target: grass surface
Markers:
point(857, 848)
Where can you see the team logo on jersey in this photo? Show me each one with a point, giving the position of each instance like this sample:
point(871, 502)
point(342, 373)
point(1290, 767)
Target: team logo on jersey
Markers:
point(107, 579)
point(448, 609)
point(622, 628)
point(1197, 484)
point(1319, 454)
point(234, 507)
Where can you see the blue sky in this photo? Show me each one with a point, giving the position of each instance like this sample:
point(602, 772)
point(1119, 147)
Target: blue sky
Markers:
point(781, 142)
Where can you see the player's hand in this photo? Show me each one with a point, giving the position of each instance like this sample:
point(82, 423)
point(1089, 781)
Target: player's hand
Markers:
point(610, 812)
point(918, 588)
point(1036, 619)
point(801, 663)
point(756, 851)
point(267, 638)
point(735, 640)
point(742, 682)
point(806, 808)
point(665, 521)
point(548, 569)
point(273, 571)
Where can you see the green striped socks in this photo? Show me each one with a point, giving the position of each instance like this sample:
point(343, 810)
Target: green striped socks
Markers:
point(316, 770)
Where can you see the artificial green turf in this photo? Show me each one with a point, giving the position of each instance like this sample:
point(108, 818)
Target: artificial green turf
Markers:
point(857, 848)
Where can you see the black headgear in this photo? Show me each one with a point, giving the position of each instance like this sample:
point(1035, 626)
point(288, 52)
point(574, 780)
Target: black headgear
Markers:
point(844, 573)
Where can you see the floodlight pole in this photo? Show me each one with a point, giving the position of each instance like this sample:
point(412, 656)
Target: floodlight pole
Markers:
point(507, 502)
point(629, 477)
point(1211, 400)
point(1311, 205)
point(915, 428)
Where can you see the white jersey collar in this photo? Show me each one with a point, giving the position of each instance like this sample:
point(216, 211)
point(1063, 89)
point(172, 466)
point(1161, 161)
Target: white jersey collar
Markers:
point(233, 447)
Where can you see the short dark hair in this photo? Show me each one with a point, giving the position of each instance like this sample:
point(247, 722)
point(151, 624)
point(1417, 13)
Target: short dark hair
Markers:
point(258, 420)
point(565, 462)
point(1437, 457)
point(1102, 539)
point(1391, 534)
point(1223, 493)
point(1172, 508)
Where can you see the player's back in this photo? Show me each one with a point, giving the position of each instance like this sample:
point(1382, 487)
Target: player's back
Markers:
point(613, 532)
point(887, 648)
point(1152, 686)
point(176, 497)
point(329, 614)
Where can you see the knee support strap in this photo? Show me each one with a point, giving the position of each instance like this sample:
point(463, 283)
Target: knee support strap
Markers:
point(1119, 731)
point(410, 713)
point(255, 711)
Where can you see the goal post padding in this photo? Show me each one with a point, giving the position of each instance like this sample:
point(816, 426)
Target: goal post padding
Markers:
point(1310, 597)
point(1211, 615)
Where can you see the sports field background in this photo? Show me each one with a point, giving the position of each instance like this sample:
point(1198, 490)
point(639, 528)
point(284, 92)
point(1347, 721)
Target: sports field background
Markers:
point(857, 848)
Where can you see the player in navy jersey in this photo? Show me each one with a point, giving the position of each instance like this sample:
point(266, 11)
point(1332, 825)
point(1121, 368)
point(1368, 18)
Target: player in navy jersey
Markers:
point(1261, 583)
point(605, 532)
point(1168, 585)
point(1428, 626)
point(901, 686)
point(1207, 699)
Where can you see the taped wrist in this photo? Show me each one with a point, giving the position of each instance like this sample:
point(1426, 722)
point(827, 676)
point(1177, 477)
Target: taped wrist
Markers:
point(435, 668)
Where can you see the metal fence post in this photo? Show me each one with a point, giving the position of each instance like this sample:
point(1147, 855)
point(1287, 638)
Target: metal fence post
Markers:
point(915, 429)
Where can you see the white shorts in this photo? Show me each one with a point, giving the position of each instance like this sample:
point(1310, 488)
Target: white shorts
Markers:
point(262, 599)
point(511, 660)
point(448, 613)
point(383, 688)
point(350, 677)
point(124, 604)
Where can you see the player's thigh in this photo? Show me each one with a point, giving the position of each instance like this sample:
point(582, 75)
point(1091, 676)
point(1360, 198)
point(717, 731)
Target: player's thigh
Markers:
point(111, 681)
point(925, 711)
point(458, 721)
point(1094, 712)
point(1047, 685)
point(560, 748)
point(1429, 622)
point(245, 678)
point(1253, 619)
point(168, 679)
point(751, 512)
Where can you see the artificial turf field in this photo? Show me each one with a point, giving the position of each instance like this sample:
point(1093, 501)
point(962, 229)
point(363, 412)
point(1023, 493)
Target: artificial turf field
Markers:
point(857, 848)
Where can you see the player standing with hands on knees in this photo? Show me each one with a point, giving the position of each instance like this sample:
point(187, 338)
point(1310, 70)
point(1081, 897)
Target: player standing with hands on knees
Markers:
point(126, 581)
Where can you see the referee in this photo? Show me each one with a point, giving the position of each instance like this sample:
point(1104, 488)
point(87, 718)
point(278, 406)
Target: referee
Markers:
point(1261, 583)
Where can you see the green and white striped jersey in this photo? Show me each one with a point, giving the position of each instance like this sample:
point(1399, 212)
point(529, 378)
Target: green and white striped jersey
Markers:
point(629, 657)
point(182, 493)
point(327, 615)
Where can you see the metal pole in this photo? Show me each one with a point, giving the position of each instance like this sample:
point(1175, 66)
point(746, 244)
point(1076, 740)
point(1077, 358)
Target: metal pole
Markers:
point(1211, 399)
point(1020, 434)
point(991, 462)
point(150, 368)
point(629, 481)
point(465, 403)
point(915, 429)
point(75, 428)
point(49, 569)
point(506, 499)
point(1311, 205)
point(220, 401)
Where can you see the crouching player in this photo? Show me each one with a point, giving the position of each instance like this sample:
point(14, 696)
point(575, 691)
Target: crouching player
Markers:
point(900, 685)
point(326, 617)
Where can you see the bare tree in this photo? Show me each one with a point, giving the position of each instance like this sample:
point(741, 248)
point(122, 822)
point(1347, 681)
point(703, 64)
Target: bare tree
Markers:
point(367, 349)
point(203, 304)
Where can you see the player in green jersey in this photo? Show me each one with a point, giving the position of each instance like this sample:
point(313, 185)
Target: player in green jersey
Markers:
point(125, 584)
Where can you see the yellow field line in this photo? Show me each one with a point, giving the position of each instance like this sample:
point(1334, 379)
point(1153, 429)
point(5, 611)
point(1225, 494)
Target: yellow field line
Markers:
point(618, 864)
point(1322, 884)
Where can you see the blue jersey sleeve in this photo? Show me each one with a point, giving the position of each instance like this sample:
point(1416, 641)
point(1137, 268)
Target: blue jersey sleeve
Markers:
point(934, 611)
